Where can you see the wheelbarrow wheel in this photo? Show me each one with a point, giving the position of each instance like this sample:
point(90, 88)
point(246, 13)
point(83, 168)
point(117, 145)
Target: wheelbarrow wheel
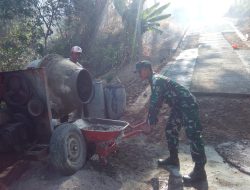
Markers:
point(67, 149)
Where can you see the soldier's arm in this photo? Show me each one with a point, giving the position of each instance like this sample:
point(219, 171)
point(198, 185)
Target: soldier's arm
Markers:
point(156, 101)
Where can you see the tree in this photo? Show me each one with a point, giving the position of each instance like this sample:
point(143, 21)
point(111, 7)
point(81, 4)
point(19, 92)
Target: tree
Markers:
point(151, 16)
point(137, 21)
point(19, 45)
point(10, 9)
point(130, 13)
point(18, 33)
point(79, 26)
point(85, 21)
point(49, 13)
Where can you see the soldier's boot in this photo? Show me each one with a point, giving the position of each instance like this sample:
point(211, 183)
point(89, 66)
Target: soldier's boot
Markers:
point(172, 160)
point(198, 174)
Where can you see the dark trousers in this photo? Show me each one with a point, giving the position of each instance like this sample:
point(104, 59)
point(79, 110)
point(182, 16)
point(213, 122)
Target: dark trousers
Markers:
point(190, 121)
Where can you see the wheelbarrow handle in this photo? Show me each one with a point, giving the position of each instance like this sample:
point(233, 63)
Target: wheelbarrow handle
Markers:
point(136, 130)
point(137, 126)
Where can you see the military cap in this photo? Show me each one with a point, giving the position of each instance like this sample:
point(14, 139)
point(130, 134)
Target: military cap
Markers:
point(142, 64)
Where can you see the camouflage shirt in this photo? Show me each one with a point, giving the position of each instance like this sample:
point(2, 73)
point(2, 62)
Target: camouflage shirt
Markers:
point(165, 90)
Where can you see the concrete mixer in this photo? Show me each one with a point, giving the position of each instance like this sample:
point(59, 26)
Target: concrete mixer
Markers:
point(32, 98)
point(50, 89)
point(69, 85)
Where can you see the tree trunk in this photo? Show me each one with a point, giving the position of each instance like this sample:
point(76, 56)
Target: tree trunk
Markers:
point(91, 15)
point(45, 44)
point(133, 35)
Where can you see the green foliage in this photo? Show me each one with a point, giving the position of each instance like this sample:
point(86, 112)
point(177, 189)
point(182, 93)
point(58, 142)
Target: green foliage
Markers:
point(10, 9)
point(19, 46)
point(110, 54)
point(154, 10)
point(149, 10)
point(19, 36)
point(104, 58)
point(29, 27)
point(49, 14)
point(132, 29)
point(59, 46)
point(151, 16)
point(136, 22)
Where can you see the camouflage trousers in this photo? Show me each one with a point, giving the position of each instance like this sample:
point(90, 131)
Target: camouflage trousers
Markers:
point(187, 118)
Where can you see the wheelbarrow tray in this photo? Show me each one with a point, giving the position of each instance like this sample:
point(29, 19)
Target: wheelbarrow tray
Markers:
point(99, 130)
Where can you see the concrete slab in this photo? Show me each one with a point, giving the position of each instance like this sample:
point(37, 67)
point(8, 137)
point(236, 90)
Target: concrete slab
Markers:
point(214, 67)
point(181, 70)
point(244, 56)
point(218, 68)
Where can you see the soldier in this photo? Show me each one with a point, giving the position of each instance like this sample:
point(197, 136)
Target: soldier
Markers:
point(184, 113)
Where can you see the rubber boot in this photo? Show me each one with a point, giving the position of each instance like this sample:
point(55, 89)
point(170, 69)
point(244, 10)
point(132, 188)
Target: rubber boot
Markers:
point(198, 174)
point(172, 160)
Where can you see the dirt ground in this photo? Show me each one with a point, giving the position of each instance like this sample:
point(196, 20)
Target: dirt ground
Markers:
point(244, 26)
point(134, 165)
point(225, 119)
point(232, 38)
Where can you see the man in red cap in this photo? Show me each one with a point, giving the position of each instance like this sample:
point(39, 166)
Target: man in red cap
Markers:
point(75, 55)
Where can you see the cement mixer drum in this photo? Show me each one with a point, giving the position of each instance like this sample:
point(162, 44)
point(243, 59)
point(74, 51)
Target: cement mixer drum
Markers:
point(69, 85)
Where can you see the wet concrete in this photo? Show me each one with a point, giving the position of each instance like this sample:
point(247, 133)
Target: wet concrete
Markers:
point(237, 154)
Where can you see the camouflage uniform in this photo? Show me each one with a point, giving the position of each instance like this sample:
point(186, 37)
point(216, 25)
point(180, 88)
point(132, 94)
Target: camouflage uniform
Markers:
point(184, 113)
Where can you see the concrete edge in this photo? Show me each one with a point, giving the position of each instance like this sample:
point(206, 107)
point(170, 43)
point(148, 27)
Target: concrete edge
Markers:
point(220, 94)
point(178, 42)
point(238, 32)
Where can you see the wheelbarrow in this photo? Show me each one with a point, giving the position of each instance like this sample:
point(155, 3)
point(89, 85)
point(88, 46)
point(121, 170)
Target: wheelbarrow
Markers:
point(106, 134)
point(73, 143)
